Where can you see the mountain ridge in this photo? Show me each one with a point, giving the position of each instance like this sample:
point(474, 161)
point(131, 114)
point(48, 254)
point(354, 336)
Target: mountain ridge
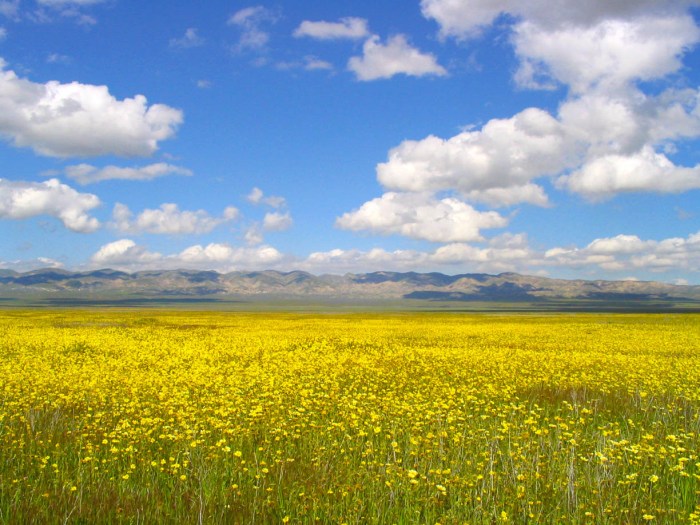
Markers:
point(429, 286)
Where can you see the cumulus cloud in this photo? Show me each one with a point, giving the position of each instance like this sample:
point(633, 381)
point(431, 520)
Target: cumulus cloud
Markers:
point(505, 153)
point(257, 196)
point(629, 252)
point(190, 39)
point(349, 28)
point(87, 174)
point(27, 265)
point(74, 119)
point(250, 22)
point(624, 50)
point(645, 170)
point(611, 256)
point(503, 253)
point(421, 216)
point(125, 254)
point(606, 143)
point(254, 235)
point(169, 219)
point(22, 200)
point(277, 222)
point(396, 57)
point(608, 136)
point(465, 19)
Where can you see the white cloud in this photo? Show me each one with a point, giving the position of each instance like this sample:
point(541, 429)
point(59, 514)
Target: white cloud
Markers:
point(31, 264)
point(254, 235)
point(643, 171)
point(395, 57)
point(613, 256)
point(126, 255)
point(629, 252)
point(581, 44)
point(611, 52)
point(87, 174)
point(22, 200)
point(169, 219)
point(349, 27)
point(276, 221)
point(498, 197)
point(3, 34)
point(605, 143)
point(190, 39)
point(250, 21)
point(465, 19)
point(256, 196)
point(504, 154)
point(204, 84)
point(421, 216)
point(63, 120)
point(504, 253)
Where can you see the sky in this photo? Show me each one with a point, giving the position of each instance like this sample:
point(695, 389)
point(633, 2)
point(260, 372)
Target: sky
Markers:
point(551, 137)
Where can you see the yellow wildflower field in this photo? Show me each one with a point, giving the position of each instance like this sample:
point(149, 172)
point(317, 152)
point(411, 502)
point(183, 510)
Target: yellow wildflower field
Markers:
point(215, 417)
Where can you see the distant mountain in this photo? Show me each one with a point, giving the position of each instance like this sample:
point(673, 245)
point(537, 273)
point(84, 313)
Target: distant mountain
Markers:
point(504, 287)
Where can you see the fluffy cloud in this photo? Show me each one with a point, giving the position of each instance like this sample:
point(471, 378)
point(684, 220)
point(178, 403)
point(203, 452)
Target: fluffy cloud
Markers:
point(349, 27)
point(395, 57)
point(257, 196)
point(250, 21)
point(642, 171)
point(464, 19)
point(624, 50)
point(190, 39)
point(169, 219)
point(125, 254)
point(503, 253)
point(31, 264)
point(63, 120)
point(630, 253)
point(421, 216)
point(22, 200)
point(606, 143)
point(276, 221)
point(87, 174)
point(613, 256)
point(607, 135)
point(504, 154)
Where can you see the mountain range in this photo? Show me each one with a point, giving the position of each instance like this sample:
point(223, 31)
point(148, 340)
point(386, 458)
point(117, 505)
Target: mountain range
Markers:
point(262, 285)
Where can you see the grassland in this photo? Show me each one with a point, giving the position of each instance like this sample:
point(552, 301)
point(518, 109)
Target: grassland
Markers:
point(213, 417)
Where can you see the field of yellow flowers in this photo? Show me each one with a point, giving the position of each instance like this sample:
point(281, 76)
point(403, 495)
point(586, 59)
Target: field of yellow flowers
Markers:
point(213, 417)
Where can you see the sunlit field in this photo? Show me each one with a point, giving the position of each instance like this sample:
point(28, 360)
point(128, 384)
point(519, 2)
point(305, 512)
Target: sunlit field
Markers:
point(174, 417)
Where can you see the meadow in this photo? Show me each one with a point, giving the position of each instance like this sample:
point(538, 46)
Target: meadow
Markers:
point(213, 417)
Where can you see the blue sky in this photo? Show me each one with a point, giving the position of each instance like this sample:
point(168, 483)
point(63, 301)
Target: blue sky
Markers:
point(553, 138)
